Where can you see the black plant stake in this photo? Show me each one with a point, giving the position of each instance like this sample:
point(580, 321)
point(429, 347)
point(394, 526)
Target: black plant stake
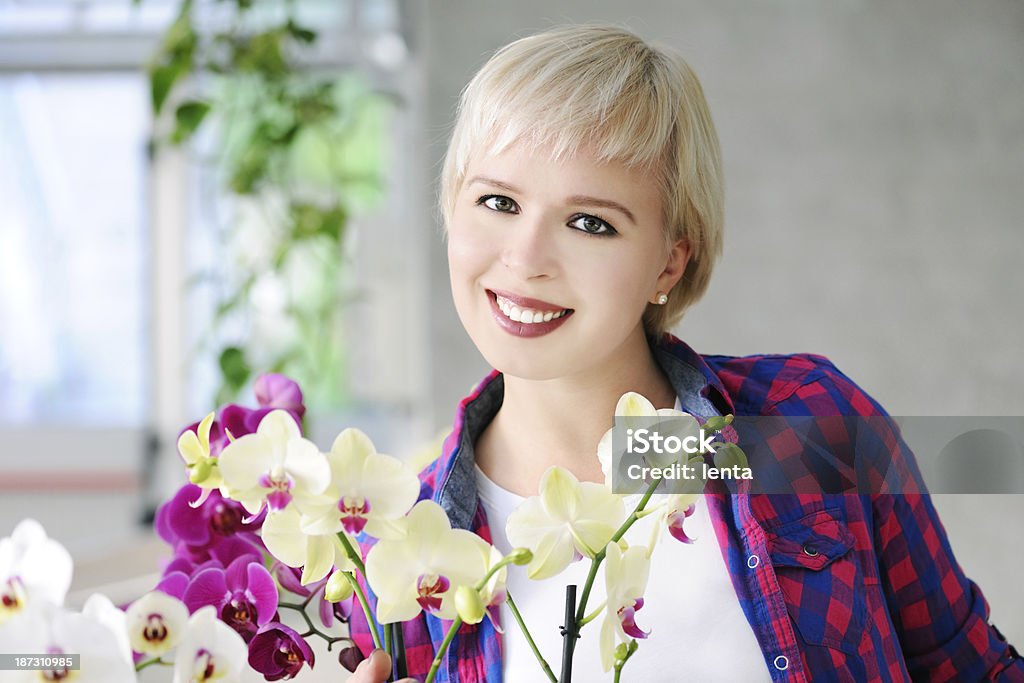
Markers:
point(569, 634)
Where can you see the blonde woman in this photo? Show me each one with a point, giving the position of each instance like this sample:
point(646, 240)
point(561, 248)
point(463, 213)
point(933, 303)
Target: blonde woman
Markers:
point(582, 197)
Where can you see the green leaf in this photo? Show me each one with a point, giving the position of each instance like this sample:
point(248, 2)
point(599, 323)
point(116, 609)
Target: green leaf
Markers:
point(189, 115)
point(161, 80)
point(234, 367)
point(300, 33)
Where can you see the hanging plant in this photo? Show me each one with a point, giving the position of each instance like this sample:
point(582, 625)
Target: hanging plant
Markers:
point(293, 151)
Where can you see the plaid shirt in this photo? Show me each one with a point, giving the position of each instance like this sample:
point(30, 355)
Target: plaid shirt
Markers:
point(881, 598)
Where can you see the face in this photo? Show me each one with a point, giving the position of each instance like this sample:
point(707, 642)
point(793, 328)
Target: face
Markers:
point(552, 264)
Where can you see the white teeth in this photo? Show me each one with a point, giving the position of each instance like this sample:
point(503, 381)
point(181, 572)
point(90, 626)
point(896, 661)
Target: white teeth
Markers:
point(526, 315)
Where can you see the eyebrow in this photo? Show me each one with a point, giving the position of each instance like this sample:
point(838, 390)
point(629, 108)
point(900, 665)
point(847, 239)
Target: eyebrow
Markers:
point(582, 199)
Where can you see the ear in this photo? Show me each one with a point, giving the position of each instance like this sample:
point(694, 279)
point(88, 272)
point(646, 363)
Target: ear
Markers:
point(675, 266)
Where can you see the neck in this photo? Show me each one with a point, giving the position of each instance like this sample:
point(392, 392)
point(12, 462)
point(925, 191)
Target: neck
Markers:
point(560, 421)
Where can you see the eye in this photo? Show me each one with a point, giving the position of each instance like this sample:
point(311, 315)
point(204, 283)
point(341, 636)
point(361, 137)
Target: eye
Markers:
point(499, 203)
point(592, 225)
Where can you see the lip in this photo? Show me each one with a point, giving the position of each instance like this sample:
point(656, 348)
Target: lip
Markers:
point(526, 329)
point(527, 302)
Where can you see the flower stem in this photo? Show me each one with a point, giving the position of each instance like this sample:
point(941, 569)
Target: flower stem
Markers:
point(150, 662)
point(364, 603)
point(599, 557)
point(436, 664)
point(529, 638)
point(387, 639)
point(313, 630)
point(593, 615)
point(352, 553)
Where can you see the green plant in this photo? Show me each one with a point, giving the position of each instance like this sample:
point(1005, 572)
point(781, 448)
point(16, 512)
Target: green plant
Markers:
point(295, 151)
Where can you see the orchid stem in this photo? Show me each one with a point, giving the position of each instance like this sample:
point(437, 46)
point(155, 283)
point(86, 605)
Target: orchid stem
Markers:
point(352, 553)
point(313, 630)
point(364, 603)
point(387, 639)
point(593, 615)
point(599, 557)
point(529, 638)
point(436, 664)
point(150, 662)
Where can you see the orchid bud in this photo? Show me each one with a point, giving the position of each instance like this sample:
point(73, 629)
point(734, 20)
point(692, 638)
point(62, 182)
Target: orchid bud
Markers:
point(338, 587)
point(717, 424)
point(469, 605)
point(520, 556)
point(621, 652)
point(350, 656)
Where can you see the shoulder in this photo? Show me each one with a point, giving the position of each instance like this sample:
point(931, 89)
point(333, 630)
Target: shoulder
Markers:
point(790, 384)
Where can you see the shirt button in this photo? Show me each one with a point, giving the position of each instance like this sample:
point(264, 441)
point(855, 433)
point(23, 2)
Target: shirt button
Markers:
point(782, 662)
point(753, 561)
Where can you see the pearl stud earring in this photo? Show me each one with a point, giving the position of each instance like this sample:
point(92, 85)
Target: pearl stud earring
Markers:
point(662, 299)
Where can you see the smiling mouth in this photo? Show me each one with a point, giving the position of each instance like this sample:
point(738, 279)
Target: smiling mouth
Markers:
point(525, 315)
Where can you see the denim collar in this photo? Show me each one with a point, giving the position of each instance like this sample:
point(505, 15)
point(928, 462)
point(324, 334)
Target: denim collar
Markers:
point(699, 389)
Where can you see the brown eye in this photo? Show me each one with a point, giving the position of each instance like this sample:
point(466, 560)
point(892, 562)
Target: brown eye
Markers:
point(500, 203)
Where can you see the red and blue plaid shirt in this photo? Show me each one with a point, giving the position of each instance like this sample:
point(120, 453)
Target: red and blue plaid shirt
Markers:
point(881, 599)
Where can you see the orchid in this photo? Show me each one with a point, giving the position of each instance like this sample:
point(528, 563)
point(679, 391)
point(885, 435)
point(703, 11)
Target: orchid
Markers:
point(156, 622)
point(566, 521)
point(631, 410)
point(369, 491)
point(317, 554)
point(626, 574)
point(273, 466)
point(277, 391)
point(244, 595)
point(194, 448)
point(210, 651)
point(105, 657)
point(424, 570)
point(33, 569)
point(278, 651)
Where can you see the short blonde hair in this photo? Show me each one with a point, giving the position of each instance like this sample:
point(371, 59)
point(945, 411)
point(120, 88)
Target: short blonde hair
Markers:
point(603, 88)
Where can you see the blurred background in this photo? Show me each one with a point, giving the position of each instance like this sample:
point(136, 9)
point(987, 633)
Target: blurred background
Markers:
point(189, 197)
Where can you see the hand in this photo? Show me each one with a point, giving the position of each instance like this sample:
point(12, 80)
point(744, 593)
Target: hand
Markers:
point(375, 669)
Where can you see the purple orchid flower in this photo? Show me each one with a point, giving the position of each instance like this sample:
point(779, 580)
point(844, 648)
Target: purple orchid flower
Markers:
point(244, 594)
point(277, 391)
point(277, 652)
point(199, 527)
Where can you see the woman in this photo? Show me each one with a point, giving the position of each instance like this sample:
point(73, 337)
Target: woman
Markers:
point(582, 196)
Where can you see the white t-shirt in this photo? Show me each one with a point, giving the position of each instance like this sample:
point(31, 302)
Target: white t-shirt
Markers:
point(698, 631)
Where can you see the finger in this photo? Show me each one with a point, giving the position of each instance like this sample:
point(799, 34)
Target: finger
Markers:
point(374, 669)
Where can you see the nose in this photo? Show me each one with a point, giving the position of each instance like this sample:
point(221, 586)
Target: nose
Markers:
point(529, 251)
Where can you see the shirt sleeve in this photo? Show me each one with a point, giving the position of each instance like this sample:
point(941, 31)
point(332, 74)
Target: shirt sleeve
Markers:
point(940, 615)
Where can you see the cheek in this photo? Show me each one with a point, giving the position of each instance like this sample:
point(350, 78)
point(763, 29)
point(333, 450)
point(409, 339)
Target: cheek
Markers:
point(469, 256)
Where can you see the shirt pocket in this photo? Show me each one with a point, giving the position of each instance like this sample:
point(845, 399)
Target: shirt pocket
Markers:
point(818, 573)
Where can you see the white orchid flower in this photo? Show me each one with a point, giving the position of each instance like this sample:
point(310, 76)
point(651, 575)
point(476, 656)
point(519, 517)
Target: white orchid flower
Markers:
point(423, 570)
point(47, 629)
point(210, 650)
point(155, 623)
point(369, 491)
point(273, 466)
point(634, 410)
point(33, 568)
point(317, 554)
point(567, 520)
point(626, 576)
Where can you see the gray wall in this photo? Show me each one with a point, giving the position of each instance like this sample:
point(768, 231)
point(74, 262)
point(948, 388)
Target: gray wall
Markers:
point(874, 156)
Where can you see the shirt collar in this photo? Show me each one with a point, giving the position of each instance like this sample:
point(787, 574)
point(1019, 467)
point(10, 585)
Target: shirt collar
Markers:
point(699, 389)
